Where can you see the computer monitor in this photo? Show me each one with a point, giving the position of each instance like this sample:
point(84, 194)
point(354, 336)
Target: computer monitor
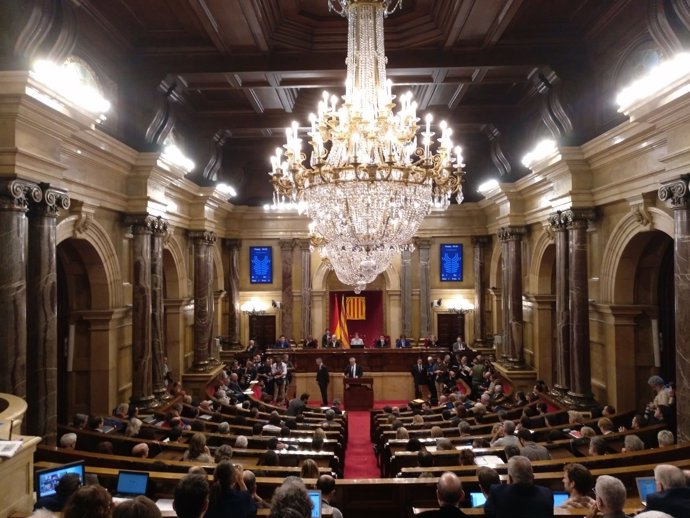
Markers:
point(46, 480)
point(559, 497)
point(477, 498)
point(645, 485)
point(132, 483)
point(315, 497)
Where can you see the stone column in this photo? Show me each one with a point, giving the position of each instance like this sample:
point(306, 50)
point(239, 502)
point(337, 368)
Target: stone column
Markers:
point(232, 287)
point(512, 239)
point(305, 264)
point(142, 376)
point(159, 229)
point(406, 295)
point(580, 392)
point(504, 353)
point(203, 298)
point(424, 247)
point(14, 197)
point(286, 246)
point(479, 265)
point(562, 353)
point(41, 392)
point(676, 194)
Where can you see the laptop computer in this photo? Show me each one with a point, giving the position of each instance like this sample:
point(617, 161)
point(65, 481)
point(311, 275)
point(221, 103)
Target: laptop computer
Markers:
point(559, 497)
point(131, 484)
point(315, 497)
point(477, 498)
point(645, 486)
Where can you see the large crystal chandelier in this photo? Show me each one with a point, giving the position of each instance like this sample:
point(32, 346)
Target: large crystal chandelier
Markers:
point(367, 184)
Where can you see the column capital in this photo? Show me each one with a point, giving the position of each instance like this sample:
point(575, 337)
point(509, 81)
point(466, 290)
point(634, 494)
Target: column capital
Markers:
point(146, 224)
point(421, 242)
point(232, 244)
point(511, 233)
point(479, 241)
point(304, 244)
point(202, 237)
point(54, 199)
point(286, 245)
point(15, 194)
point(578, 217)
point(557, 221)
point(675, 192)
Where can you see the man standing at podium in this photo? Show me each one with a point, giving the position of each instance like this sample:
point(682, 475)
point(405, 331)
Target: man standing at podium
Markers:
point(322, 378)
point(353, 370)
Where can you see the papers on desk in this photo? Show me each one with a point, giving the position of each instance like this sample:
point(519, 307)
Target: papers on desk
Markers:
point(165, 504)
point(9, 448)
point(206, 417)
point(488, 460)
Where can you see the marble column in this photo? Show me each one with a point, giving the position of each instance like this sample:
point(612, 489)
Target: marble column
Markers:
point(286, 246)
point(305, 264)
point(406, 294)
point(504, 353)
point(562, 352)
point(232, 287)
point(424, 247)
point(14, 197)
point(42, 350)
point(203, 298)
point(512, 240)
point(159, 229)
point(580, 368)
point(675, 193)
point(479, 265)
point(142, 376)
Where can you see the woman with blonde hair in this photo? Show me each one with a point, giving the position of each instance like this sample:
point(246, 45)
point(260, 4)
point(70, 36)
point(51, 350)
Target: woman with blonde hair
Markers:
point(310, 469)
point(198, 451)
point(402, 433)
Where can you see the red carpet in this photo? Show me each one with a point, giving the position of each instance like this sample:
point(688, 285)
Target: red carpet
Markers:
point(359, 456)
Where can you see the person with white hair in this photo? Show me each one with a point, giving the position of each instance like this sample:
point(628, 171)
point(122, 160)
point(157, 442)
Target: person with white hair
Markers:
point(141, 450)
point(241, 441)
point(672, 496)
point(224, 427)
point(665, 438)
point(222, 397)
point(653, 514)
point(508, 438)
point(610, 497)
point(134, 427)
point(520, 492)
point(68, 441)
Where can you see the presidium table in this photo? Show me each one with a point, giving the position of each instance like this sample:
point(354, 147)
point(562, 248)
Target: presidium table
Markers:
point(387, 373)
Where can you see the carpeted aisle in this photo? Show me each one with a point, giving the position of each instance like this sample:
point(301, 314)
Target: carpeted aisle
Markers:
point(359, 456)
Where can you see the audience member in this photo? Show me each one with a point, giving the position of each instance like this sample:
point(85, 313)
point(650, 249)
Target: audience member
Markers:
point(65, 488)
point(632, 443)
point(610, 497)
point(228, 496)
point(605, 425)
point(665, 438)
point(309, 469)
point(137, 507)
point(241, 441)
point(250, 482)
point(531, 449)
point(487, 477)
point(597, 446)
point(425, 460)
point(191, 496)
point(506, 431)
point(296, 406)
point(672, 496)
point(88, 502)
point(68, 441)
point(578, 482)
point(290, 499)
point(520, 493)
point(141, 450)
point(449, 493)
point(198, 451)
point(223, 452)
point(511, 451)
point(326, 484)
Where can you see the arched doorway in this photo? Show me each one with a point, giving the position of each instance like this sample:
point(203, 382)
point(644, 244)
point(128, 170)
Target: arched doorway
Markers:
point(644, 280)
point(540, 316)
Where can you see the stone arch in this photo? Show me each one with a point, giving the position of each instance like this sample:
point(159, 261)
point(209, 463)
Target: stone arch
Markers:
point(542, 266)
point(101, 258)
point(495, 265)
point(615, 287)
point(174, 267)
point(390, 275)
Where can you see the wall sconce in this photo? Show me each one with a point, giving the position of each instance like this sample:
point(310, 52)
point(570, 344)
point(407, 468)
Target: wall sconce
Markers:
point(459, 306)
point(276, 304)
point(253, 307)
point(436, 303)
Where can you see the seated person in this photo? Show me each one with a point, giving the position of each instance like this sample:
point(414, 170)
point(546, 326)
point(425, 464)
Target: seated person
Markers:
point(66, 486)
point(519, 493)
point(310, 343)
point(431, 341)
point(487, 477)
point(381, 342)
point(610, 496)
point(282, 343)
point(672, 496)
point(449, 493)
point(402, 342)
point(356, 341)
point(578, 482)
point(333, 343)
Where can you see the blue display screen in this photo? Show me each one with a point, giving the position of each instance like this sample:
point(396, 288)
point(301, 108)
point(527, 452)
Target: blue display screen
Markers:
point(260, 264)
point(451, 262)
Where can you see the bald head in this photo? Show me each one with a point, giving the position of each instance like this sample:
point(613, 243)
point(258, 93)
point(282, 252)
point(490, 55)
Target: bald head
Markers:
point(449, 489)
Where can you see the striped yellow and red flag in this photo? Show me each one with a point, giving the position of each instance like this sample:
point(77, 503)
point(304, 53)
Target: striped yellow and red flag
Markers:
point(340, 316)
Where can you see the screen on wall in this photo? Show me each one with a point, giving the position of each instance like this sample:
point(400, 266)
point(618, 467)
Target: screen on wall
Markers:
point(451, 262)
point(260, 264)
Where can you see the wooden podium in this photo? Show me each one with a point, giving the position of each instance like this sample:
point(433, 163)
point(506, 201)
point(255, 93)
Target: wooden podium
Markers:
point(358, 393)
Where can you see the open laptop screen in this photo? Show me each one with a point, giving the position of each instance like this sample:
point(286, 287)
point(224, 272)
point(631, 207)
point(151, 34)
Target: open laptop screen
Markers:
point(132, 483)
point(645, 485)
point(477, 498)
point(559, 497)
point(315, 497)
point(47, 479)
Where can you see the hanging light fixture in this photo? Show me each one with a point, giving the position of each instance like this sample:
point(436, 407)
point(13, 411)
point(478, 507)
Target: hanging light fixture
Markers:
point(367, 184)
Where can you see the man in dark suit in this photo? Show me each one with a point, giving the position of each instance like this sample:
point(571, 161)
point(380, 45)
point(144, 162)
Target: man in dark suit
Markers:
point(672, 496)
point(297, 406)
point(353, 370)
point(419, 377)
point(519, 494)
point(402, 342)
point(381, 342)
point(449, 494)
point(282, 343)
point(322, 378)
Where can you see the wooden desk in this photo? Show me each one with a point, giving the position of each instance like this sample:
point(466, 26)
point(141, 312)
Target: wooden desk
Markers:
point(359, 393)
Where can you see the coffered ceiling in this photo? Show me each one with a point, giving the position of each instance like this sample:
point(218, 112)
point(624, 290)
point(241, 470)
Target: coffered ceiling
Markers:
point(250, 67)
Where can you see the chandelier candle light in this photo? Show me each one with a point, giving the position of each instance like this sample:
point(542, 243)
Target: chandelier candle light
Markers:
point(367, 185)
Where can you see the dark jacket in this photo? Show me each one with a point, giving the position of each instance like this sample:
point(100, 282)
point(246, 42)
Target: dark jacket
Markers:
point(348, 371)
point(295, 407)
point(232, 504)
point(675, 502)
point(419, 377)
point(322, 376)
point(445, 511)
point(514, 501)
